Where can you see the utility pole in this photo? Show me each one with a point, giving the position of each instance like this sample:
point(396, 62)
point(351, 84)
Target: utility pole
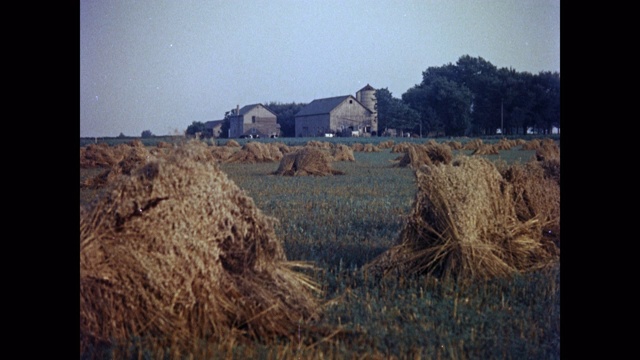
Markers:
point(502, 117)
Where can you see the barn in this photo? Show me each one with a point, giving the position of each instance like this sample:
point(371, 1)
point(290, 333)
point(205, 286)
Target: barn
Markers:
point(341, 115)
point(255, 120)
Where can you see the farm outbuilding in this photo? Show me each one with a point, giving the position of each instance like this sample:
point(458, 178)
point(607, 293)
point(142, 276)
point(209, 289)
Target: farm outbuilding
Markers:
point(343, 115)
point(213, 128)
point(255, 119)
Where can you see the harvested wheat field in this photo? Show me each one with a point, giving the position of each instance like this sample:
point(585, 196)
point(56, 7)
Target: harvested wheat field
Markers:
point(532, 144)
point(548, 150)
point(103, 179)
point(486, 149)
point(342, 152)
point(455, 145)
point(232, 143)
point(388, 144)
point(131, 157)
point(284, 148)
point(505, 144)
point(176, 254)
point(256, 152)
point(310, 160)
point(466, 223)
point(135, 156)
point(536, 194)
point(368, 147)
point(357, 146)
point(164, 144)
point(96, 155)
point(472, 144)
point(400, 147)
point(223, 153)
point(416, 155)
point(320, 144)
point(103, 155)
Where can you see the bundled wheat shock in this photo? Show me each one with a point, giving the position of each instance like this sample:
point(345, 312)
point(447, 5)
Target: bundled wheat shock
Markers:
point(256, 152)
point(342, 152)
point(465, 223)
point(176, 253)
point(417, 155)
point(310, 160)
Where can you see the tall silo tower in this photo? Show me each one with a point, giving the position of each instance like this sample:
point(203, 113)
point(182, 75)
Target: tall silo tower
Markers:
point(367, 96)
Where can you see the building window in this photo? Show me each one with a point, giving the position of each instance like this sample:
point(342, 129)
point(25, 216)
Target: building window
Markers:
point(253, 119)
point(350, 101)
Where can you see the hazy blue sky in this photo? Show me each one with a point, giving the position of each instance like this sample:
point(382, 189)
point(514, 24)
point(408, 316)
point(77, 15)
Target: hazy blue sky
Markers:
point(160, 65)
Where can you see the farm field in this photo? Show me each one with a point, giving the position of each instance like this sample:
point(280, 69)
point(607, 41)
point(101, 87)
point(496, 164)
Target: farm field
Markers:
point(340, 223)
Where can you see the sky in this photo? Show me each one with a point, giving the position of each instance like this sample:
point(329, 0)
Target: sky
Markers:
point(160, 65)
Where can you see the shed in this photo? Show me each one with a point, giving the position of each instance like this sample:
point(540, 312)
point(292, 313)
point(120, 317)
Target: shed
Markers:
point(254, 119)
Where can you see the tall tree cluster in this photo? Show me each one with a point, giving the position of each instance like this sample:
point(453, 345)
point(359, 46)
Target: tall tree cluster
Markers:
point(393, 113)
point(474, 97)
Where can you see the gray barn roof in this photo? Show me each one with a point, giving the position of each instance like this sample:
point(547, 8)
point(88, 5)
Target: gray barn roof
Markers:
point(212, 124)
point(245, 109)
point(322, 106)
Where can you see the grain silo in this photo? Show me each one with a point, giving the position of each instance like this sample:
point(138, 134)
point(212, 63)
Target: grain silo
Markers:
point(367, 97)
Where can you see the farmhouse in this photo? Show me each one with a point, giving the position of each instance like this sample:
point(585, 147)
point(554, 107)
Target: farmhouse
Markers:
point(213, 128)
point(342, 115)
point(255, 119)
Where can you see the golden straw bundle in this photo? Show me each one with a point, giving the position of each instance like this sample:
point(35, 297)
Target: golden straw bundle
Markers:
point(176, 254)
point(310, 160)
point(464, 223)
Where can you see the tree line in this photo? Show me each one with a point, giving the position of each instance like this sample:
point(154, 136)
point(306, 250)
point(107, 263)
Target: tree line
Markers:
point(474, 97)
point(469, 98)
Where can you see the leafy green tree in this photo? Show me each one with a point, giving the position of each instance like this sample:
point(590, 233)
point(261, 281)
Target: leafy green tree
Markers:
point(481, 77)
point(529, 101)
point(448, 71)
point(517, 101)
point(286, 113)
point(195, 127)
point(393, 113)
point(507, 102)
point(452, 103)
point(417, 98)
point(524, 114)
point(146, 134)
point(546, 87)
point(224, 128)
point(443, 105)
point(473, 97)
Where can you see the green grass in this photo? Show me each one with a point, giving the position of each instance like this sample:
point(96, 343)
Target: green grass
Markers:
point(342, 222)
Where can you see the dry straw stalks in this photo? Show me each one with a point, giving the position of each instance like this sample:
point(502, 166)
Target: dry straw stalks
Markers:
point(417, 155)
point(310, 160)
point(103, 155)
point(257, 152)
point(121, 159)
point(176, 253)
point(471, 221)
